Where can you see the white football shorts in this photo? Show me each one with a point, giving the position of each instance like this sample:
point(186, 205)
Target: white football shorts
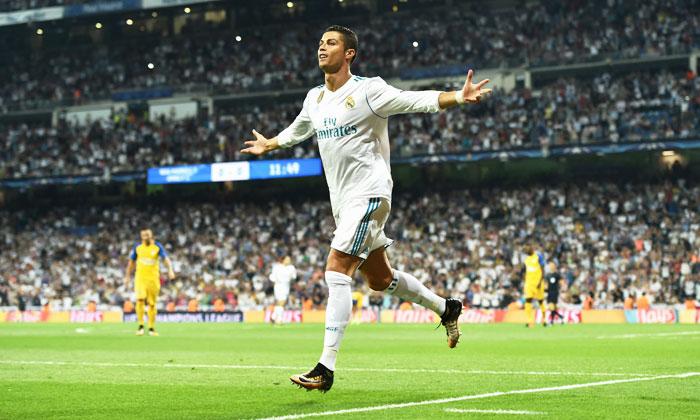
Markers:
point(360, 226)
point(281, 292)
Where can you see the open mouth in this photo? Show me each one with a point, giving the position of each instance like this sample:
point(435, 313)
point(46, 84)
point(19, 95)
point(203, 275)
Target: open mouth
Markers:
point(322, 56)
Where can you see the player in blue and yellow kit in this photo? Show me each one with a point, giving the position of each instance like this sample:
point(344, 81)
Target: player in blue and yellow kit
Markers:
point(146, 258)
point(534, 284)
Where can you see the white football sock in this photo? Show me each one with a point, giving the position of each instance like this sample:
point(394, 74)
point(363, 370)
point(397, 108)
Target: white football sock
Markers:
point(338, 313)
point(278, 315)
point(409, 288)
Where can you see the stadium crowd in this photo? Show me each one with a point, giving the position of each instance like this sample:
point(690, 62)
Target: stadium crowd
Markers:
point(609, 241)
point(632, 107)
point(254, 58)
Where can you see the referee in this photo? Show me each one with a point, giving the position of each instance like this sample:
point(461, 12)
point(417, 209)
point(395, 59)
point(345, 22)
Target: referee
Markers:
point(553, 280)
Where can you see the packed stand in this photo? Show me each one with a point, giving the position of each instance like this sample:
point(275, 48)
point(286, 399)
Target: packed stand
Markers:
point(612, 242)
point(284, 56)
point(606, 109)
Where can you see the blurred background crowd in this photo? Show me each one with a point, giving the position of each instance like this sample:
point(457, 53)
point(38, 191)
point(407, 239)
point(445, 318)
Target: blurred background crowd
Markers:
point(608, 241)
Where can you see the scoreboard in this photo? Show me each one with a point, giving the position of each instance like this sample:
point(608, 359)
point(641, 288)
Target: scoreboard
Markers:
point(235, 171)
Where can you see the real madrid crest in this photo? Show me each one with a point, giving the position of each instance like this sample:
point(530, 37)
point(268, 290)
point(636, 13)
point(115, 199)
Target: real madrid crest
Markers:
point(349, 102)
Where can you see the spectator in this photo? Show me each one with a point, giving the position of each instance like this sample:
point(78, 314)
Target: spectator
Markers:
point(643, 303)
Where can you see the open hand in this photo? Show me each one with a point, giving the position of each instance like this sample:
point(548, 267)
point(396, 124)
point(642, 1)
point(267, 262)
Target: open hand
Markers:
point(257, 147)
point(473, 93)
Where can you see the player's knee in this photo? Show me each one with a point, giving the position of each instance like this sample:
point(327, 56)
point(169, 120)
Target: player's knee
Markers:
point(378, 283)
point(342, 263)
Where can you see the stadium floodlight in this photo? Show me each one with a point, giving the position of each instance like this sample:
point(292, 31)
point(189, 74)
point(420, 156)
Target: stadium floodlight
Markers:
point(187, 10)
point(415, 44)
point(154, 15)
point(239, 38)
point(39, 31)
point(150, 66)
point(290, 4)
point(129, 22)
point(98, 25)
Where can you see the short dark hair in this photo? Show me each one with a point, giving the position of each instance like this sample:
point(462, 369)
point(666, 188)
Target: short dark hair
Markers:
point(349, 38)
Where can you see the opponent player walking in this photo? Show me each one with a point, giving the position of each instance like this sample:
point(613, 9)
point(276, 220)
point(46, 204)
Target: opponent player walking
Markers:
point(146, 258)
point(534, 284)
point(349, 115)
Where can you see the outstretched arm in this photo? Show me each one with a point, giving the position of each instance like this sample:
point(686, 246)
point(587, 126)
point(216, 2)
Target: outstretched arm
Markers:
point(386, 100)
point(300, 130)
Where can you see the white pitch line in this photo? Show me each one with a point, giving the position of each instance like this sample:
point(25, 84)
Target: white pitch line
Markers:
point(478, 396)
point(474, 410)
point(601, 337)
point(294, 368)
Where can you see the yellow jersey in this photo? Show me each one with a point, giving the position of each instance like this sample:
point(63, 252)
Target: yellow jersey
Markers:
point(147, 258)
point(534, 269)
point(357, 298)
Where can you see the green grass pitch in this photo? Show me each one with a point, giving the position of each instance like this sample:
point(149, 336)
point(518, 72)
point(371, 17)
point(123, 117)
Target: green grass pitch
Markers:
point(241, 371)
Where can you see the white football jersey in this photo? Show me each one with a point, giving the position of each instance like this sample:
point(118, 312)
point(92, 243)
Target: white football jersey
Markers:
point(282, 275)
point(351, 127)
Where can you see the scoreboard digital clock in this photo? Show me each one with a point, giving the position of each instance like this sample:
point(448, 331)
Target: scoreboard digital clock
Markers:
point(235, 171)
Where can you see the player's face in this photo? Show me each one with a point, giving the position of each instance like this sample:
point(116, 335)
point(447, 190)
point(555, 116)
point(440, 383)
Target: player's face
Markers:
point(146, 236)
point(332, 53)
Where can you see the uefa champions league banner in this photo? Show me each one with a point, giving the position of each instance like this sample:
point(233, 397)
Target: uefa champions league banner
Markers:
point(74, 316)
point(651, 316)
point(30, 316)
point(568, 316)
point(689, 316)
point(478, 316)
point(366, 316)
point(193, 317)
point(290, 316)
point(424, 316)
